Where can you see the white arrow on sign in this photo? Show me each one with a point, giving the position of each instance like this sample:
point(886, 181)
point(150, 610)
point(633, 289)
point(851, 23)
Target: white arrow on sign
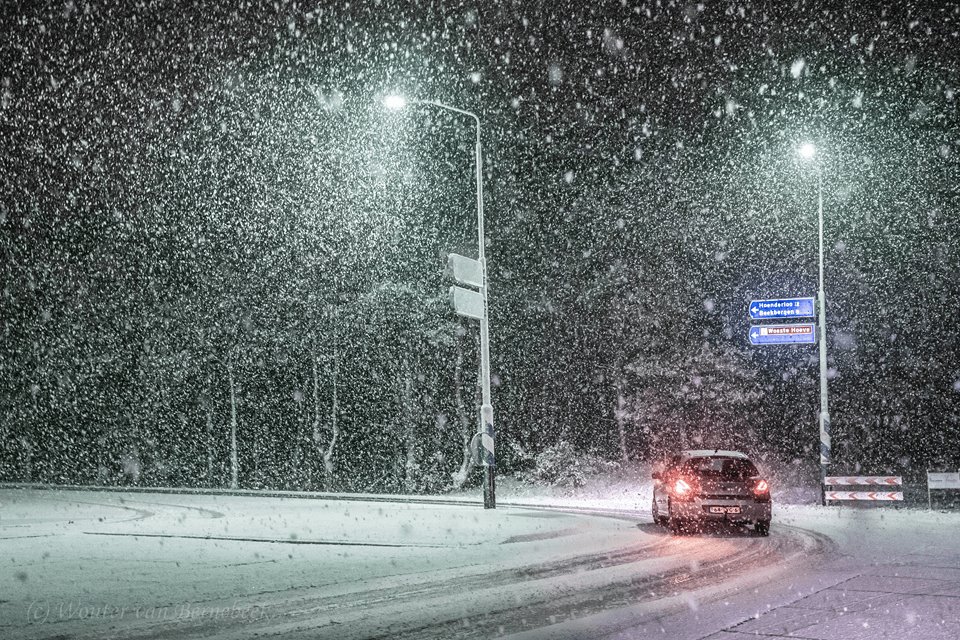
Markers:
point(466, 302)
point(465, 270)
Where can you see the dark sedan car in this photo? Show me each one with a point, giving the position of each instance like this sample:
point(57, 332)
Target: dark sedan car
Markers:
point(711, 485)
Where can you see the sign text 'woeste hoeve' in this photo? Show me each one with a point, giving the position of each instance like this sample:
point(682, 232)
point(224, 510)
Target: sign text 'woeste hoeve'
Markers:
point(803, 333)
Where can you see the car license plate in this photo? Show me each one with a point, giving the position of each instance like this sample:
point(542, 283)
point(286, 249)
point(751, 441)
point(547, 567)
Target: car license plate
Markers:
point(733, 510)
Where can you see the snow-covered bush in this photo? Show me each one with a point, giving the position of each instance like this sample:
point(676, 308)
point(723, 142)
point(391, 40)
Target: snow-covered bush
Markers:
point(562, 465)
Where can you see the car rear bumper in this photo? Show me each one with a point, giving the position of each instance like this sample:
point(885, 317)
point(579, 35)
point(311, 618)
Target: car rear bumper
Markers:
point(698, 509)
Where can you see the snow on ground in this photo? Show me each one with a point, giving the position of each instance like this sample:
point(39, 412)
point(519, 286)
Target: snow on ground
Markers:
point(125, 564)
point(78, 562)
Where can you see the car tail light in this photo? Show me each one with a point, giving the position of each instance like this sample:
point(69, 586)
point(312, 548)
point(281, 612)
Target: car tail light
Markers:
point(761, 490)
point(682, 490)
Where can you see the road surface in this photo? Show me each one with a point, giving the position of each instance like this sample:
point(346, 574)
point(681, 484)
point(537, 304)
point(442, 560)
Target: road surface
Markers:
point(94, 564)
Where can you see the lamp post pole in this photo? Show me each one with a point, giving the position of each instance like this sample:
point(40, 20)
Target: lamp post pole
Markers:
point(808, 151)
point(821, 304)
point(486, 408)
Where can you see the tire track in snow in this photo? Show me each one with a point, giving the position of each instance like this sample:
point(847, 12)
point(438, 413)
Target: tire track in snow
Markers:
point(459, 608)
point(298, 610)
point(760, 553)
point(527, 597)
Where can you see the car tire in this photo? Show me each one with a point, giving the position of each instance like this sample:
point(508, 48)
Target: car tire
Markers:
point(678, 526)
point(762, 528)
point(657, 518)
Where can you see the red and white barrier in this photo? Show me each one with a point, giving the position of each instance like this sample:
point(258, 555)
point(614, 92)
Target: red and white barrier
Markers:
point(856, 481)
point(864, 495)
point(863, 480)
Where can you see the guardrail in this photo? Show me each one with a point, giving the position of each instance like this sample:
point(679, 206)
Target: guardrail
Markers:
point(855, 481)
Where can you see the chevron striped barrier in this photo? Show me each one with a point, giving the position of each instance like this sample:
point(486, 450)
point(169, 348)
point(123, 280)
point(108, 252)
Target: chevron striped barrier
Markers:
point(864, 495)
point(848, 481)
point(859, 481)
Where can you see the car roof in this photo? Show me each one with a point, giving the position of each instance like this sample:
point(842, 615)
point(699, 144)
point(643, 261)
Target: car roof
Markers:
point(712, 453)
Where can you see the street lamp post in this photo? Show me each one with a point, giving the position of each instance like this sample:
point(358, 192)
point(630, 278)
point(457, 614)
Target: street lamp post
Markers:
point(808, 151)
point(396, 102)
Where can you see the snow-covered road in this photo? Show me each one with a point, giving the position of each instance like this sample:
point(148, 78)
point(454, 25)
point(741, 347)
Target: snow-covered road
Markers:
point(140, 565)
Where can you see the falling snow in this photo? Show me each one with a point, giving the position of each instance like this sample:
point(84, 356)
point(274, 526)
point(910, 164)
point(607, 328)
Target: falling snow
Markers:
point(222, 259)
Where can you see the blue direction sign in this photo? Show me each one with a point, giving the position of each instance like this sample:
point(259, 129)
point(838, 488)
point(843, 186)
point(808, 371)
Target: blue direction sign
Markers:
point(802, 333)
point(782, 308)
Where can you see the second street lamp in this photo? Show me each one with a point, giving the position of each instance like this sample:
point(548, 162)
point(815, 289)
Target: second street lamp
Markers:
point(396, 102)
point(809, 152)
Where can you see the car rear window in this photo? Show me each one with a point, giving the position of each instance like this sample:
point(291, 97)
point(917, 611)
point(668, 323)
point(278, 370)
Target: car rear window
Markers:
point(721, 468)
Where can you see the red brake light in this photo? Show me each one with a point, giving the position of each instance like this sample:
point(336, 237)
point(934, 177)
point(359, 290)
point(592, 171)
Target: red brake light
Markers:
point(762, 488)
point(681, 489)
